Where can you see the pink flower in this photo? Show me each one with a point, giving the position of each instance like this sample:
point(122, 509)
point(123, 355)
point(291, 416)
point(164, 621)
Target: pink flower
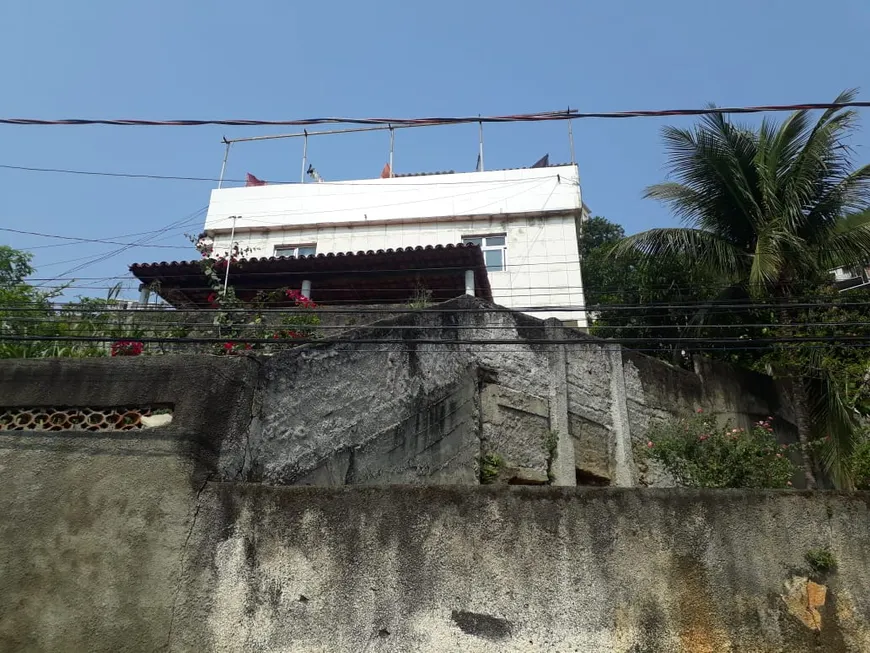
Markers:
point(779, 455)
point(703, 437)
point(700, 410)
point(789, 483)
point(649, 444)
point(735, 430)
point(785, 446)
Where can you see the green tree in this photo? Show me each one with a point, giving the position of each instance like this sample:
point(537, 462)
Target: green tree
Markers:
point(763, 209)
point(598, 231)
point(629, 295)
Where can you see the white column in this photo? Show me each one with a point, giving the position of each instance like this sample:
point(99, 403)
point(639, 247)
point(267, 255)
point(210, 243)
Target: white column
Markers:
point(469, 282)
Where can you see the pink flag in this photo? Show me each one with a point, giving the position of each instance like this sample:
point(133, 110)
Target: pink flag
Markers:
point(251, 180)
point(386, 173)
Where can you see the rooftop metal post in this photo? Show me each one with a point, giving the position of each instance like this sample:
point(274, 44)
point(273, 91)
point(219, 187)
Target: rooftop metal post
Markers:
point(480, 152)
point(392, 141)
point(304, 155)
point(230, 255)
point(224, 164)
point(571, 136)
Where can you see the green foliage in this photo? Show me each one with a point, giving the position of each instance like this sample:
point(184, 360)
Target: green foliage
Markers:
point(490, 465)
point(551, 447)
point(821, 560)
point(27, 312)
point(764, 213)
point(422, 298)
point(629, 280)
point(597, 232)
point(698, 453)
point(860, 465)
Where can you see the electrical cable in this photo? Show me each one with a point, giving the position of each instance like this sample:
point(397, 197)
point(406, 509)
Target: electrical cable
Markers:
point(104, 257)
point(409, 181)
point(88, 240)
point(431, 121)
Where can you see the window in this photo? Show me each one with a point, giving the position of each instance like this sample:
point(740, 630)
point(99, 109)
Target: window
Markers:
point(494, 250)
point(295, 251)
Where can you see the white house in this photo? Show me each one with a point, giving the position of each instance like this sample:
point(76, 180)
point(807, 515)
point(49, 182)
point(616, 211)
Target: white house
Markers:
point(525, 220)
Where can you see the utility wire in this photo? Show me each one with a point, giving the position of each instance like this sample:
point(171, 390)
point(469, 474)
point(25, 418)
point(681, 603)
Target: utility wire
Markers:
point(380, 308)
point(89, 240)
point(428, 122)
point(409, 181)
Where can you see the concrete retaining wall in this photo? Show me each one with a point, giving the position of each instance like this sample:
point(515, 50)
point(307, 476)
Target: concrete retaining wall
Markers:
point(552, 402)
point(119, 553)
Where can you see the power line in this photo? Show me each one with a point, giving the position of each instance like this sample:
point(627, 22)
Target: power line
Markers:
point(104, 257)
point(385, 308)
point(410, 182)
point(431, 121)
point(87, 240)
point(449, 341)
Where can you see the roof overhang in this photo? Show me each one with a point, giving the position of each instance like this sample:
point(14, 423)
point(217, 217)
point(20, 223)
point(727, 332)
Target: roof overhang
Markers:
point(391, 276)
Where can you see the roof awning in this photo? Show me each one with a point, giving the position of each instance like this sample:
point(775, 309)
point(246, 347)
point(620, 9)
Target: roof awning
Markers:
point(391, 276)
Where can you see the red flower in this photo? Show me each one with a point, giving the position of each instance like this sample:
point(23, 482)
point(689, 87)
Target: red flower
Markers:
point(127, 348)
point(700, 410)
point(213, 299)
point(228, 346)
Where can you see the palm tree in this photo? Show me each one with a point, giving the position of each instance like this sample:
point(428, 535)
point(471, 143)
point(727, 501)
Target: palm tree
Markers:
point(763, 209)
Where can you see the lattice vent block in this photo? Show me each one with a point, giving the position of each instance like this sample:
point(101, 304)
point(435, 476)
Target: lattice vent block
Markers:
point(119, 418)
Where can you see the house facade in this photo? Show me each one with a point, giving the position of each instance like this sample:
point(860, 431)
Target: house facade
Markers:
point(524, 220)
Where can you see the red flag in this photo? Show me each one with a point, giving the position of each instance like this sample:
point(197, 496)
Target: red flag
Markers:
point(251, 180)
point(386, 173)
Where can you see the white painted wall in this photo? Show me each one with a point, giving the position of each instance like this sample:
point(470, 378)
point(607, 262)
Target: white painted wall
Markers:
point(401, 198)
point(535, 209)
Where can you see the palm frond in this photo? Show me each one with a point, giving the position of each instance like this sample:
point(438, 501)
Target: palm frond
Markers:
point(847, 248)
point(714, 162)
point(708, 249)
point(835, 426)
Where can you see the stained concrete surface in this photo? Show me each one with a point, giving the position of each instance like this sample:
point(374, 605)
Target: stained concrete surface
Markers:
point(520, 569)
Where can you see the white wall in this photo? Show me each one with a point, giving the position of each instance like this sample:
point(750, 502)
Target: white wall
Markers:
point(543, 266)
point(402, 198)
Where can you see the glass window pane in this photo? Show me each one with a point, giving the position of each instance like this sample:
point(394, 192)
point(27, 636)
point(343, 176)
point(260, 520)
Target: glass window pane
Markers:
point(285, 251)
point(307, 251)
point(495, 241)
point(473, 241)
point(494, 259)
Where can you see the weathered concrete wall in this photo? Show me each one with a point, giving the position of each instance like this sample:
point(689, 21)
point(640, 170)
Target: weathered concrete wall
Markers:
point(551, 403)
point(124, 541)
point(325, 405)
point(94, 524)
point(427, 569)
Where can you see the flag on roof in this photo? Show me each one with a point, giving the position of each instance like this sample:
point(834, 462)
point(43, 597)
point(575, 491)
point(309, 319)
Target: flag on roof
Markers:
point(387, 172)
point(543, 162)
point(251, 180)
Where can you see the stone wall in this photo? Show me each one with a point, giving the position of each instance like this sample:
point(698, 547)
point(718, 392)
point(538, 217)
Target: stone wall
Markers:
point(186, 533)
point(393, 404)
point(118, 552)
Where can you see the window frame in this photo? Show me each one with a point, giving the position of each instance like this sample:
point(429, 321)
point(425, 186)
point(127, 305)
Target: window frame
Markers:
point(295, 248)
point(485, 248)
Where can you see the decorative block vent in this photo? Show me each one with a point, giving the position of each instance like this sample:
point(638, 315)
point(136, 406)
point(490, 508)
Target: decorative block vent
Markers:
point(124, 418)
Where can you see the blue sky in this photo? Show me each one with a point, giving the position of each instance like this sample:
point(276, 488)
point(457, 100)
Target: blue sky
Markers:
point(218, 59)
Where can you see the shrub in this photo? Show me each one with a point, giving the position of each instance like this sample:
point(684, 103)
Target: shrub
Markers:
point(490, 464)
point(698, 453)
point(821, 560)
